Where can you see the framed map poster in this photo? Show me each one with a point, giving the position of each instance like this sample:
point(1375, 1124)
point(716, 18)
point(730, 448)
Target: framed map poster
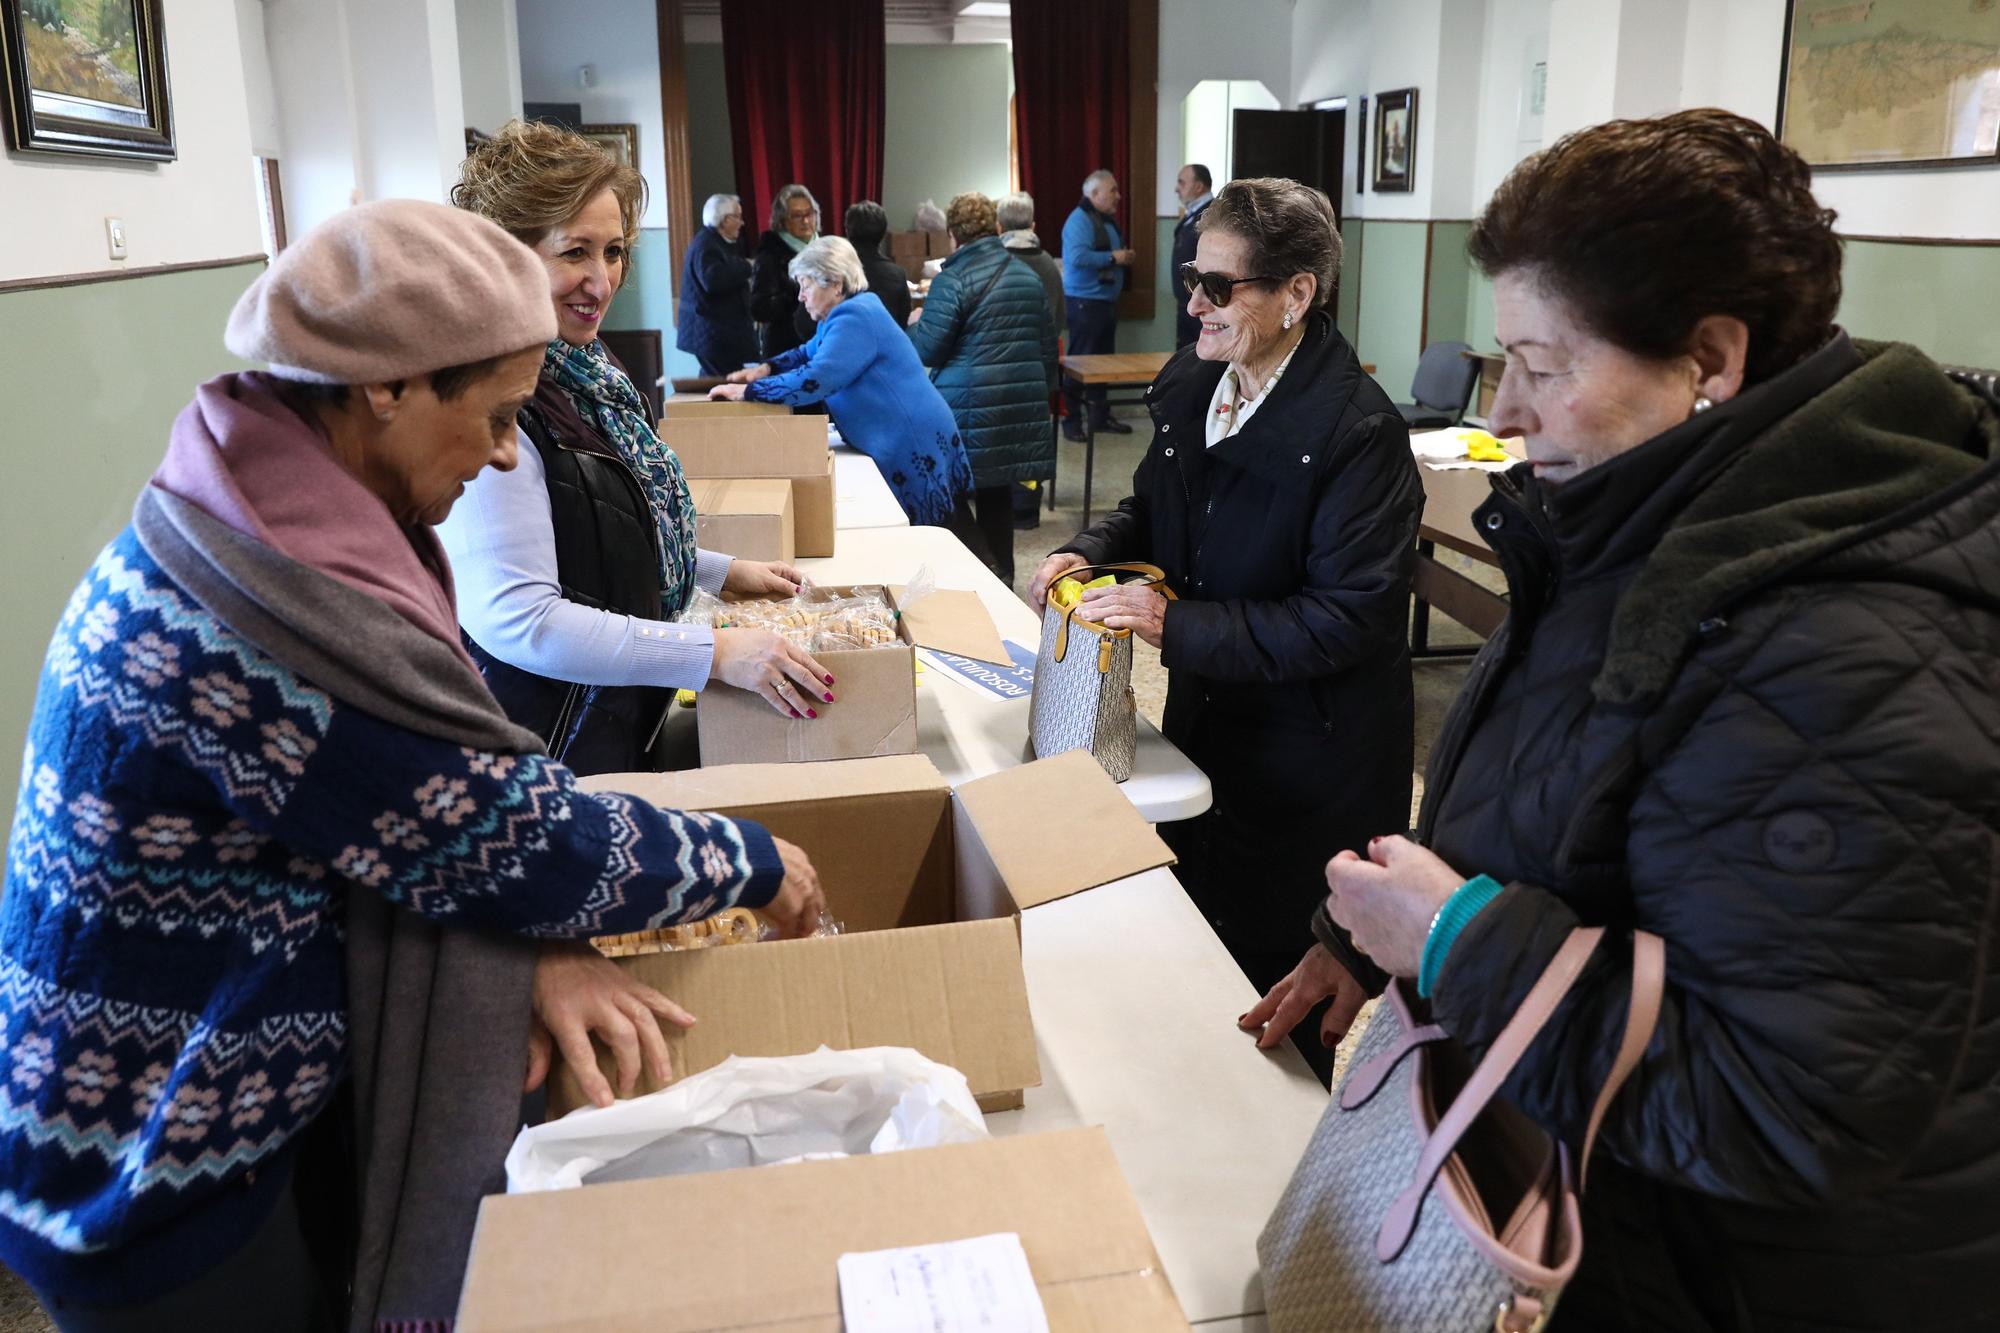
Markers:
point(1891, 83)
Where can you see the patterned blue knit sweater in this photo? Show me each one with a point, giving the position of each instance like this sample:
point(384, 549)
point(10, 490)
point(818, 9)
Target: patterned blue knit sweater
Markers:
point(172, 1003)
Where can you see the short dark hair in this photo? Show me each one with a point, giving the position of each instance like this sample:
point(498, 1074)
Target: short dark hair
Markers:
point(1645, 227)
point(866, 224)
point(1201, 174)
point(448, 383)
point(1290, 229)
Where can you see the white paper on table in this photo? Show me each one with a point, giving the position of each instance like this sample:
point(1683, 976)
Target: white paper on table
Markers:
point(980, 1285)
point(1459, 464)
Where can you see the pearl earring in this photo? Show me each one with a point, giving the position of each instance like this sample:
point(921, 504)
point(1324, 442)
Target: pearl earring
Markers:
point(1703, 403)
point(1288, 319)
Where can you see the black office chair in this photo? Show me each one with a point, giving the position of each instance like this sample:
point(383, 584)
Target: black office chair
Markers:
point(1446, 374)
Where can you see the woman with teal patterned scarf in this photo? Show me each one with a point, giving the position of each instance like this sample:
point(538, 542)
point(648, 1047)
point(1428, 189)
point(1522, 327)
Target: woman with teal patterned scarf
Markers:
point(574, 566)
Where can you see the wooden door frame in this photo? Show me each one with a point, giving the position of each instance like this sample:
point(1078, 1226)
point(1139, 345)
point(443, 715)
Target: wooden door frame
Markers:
point(678, 177)
point(1142, 24)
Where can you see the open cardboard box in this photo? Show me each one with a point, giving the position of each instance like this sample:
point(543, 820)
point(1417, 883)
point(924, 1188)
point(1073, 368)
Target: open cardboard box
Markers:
point(746, 517)
point(758, 1247)
point(735, 443)
point(928, 884)
point(874, 711)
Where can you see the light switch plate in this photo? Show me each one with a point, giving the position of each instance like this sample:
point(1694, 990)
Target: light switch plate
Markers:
point(114, 236)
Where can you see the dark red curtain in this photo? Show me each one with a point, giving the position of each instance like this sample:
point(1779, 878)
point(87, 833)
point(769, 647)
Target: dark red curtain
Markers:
point(1072, 105)
point(807, 89)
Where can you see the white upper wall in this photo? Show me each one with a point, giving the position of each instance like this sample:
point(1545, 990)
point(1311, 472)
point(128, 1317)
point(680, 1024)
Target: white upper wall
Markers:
point(489, 62)
point(1199, 40)
point(202, 205)
point(1330, 46)
point(261, 101)
point(619, 39)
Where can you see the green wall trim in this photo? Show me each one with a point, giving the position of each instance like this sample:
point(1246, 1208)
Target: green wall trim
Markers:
point(1450, 298)
point(1389, 326)
point(1926, 295)
point(93, 377)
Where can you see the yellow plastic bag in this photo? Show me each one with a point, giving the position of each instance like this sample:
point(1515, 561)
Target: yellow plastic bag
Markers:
point(1068, 592)
point(1483, 448)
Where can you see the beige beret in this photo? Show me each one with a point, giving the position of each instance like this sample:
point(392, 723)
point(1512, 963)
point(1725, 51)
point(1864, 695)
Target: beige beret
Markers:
point(389, 290)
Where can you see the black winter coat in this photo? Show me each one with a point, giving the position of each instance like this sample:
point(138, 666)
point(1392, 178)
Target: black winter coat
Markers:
point(889, 281)
point(1186, 327)
point(782, 323)
point(1746, 699)
point(713, 323)
point(1291, 546)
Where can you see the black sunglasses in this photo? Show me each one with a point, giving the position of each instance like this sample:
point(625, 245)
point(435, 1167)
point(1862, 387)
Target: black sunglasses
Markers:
point(1217, 288)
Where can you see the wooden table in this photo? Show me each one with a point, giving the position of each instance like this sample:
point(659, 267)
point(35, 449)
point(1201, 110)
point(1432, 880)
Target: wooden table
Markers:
point(1109, 371)
point(1450, 496)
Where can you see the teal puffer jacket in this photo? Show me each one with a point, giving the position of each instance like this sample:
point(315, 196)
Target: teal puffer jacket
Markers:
point(986, 333)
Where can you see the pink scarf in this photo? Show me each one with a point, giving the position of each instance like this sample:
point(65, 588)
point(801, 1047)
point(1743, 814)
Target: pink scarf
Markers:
point(239, 453)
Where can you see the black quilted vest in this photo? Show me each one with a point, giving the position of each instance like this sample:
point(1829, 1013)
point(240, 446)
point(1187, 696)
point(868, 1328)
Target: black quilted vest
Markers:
point(607, 557)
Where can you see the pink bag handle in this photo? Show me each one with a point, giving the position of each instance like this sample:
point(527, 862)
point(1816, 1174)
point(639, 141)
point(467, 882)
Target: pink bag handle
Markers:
point(1648, 982)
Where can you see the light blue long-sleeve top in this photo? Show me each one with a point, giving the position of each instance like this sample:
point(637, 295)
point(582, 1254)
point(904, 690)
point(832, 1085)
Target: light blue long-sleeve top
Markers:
point(502, 545)
point(1090, 274)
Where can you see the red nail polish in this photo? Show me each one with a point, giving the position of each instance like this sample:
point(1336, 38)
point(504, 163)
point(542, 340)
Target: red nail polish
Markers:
point(829, 680)
point(829, 698)
point(812, 712)
point(795, 712)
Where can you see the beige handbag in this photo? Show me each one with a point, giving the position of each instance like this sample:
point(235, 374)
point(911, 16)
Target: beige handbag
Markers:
point(1083, 681)
point(1351, 1246)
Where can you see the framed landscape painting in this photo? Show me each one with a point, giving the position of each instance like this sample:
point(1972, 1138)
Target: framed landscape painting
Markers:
point(1395, 140)
point(86, 77)
point(1891, 83)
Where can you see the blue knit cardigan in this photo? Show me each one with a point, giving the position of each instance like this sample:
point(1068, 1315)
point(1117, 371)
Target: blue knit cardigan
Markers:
point(192, 817)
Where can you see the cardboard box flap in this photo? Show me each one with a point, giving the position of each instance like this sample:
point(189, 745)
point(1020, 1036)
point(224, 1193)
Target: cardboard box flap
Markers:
point(740, 495)
point(747, 446)
point(747, 786)
point(683, 405)
point(954, 622)
point(591, 1258)
point(954, 993)
point(1058, 826)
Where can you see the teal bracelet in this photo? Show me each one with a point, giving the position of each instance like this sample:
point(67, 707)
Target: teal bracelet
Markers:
point(1457, 912)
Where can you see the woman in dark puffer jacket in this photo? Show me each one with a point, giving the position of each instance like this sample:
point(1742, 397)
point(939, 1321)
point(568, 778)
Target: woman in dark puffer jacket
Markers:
point(1745, 700)
point(986, 331)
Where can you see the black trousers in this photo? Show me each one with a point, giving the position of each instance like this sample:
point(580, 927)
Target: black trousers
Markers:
point(993, 507)
point(1093, 329)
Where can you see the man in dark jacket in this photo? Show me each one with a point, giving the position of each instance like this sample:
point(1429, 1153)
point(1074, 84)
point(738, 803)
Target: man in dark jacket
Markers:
point(986, 332)
point(867, 226)
point(713, 324)
point(1196, 190)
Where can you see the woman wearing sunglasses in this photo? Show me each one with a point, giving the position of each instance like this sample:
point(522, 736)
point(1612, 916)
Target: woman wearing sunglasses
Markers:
point(1280, 497)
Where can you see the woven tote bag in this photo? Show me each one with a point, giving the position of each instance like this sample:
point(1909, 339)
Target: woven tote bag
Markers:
point(1083, 681)
point(1353, 1246)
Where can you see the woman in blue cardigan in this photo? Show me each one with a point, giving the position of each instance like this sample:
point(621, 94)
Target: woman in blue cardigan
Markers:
point(863, 367)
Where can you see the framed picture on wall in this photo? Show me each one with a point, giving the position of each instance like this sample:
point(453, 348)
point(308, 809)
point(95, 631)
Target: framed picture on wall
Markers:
point(1361, 151)
point(86, 77)
point(621, 141)
point(1395, 140)
point(1892, 83)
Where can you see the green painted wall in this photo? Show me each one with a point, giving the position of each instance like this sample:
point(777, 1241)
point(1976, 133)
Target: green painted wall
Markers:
point(945, 124)
point(1450, 281)
point(711, 160)
point(647, 299)
point(1390, 325)
point(92, 378)
point(1479, 310)
point(1928, 295)
point(1347, 302)
point(1155, 334)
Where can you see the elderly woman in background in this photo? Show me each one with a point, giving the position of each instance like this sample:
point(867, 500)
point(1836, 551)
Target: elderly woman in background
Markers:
point(713, 322)
point(1744, 700)
point(1016, 216)
point(986, 333)
point(861, 365)
point(782, 323)
point(575, 563)
point(867, 226)
point(1280, 497)
point(260, 767)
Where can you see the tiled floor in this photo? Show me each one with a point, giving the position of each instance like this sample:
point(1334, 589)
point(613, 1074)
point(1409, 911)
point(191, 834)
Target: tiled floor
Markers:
point(1437, 684)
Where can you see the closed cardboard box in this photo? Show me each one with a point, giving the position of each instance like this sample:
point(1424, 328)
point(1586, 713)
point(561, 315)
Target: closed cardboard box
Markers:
point(688, 406)
point(749, 518)
point(759, 1247)
point(874, 712)
point(927, 882)
point(718, 445)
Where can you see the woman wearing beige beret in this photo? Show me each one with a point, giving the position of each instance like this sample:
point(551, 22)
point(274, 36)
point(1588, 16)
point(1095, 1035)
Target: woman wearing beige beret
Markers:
point(280, 863)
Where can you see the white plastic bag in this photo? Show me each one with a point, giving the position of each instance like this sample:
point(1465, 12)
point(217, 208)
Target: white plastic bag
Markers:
point(754, 1112)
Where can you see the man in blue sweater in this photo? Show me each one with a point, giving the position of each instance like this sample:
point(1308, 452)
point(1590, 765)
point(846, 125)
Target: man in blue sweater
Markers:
point(1094, 263)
